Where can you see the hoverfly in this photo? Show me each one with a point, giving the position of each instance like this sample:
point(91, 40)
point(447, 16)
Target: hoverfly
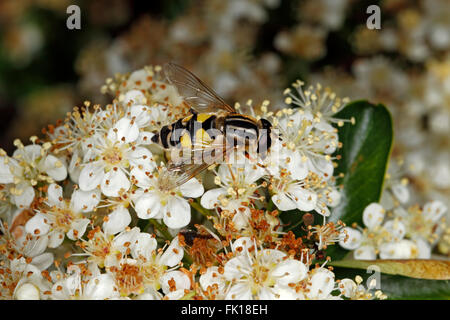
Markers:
point(213, 126)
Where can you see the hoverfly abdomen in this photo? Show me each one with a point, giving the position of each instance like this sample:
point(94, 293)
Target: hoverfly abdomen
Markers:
point(240, 130)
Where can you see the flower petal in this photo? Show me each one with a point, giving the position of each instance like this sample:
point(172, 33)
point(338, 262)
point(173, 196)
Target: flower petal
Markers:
point(321, 284)
point(78, 229)
point(173, 254)
point(43, 261)
point(404, 249)
point(125, 131)
point(114, 182)
point(401, 192)
point(396, 229)
point(177, 213)
point(55, 195)
point(350, 238)
point(55, 238)
point(117, 220)
point(141, 158)
point(239, 291)
point(283, 202)
point(290, 271)
point(182, 281)
point(211, 198)
point(365, 253)
point(144, 247)
point(5, 171)
point(373, 215)
point(192, 188)
point(303, 198)
point(212, 277)
point(85, 201)
point(434, 210)
point(55, 168)
point(148, 206)
point(37, 225)
point(25, 198)
point(91, 176)
point(100, 288)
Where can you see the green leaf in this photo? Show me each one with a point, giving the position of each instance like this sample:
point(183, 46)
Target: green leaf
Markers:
point(396, 286)
point(363, 161)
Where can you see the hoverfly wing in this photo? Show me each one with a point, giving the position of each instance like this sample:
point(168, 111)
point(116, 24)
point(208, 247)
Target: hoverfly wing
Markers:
point(183, 172)
point(179, 174)
point(195, 92)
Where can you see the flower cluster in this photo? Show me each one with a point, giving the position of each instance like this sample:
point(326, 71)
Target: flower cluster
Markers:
point(397, 234)
point(89, 211)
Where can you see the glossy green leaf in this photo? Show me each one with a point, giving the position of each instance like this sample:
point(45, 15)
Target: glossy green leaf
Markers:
point(363, 162)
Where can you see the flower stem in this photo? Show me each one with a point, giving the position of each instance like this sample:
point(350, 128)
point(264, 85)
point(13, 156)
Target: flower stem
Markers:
point(199, 208)
point(270, 205)
point(161, 228)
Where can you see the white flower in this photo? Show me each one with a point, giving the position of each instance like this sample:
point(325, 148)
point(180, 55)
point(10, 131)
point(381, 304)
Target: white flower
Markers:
point(21, 280)
point(109, 158)
point(236, 186)
point(376, 237)
point(26, 245)
point(321, 284)
point(174, 284)
point(78, 287)
point(117, 220)
point(262, 274)
point(395, 187)
point(63, 216)
point(289, 194)
point(106, 250)
point(422, 225)
point(161, 200)
point(356, 291)
point(145, 272)
point(403, 249)
point(28, 166)
point(306, 147)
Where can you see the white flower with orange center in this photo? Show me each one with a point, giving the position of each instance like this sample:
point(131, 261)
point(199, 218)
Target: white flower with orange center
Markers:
point(143, 273)
point(63, 217)
point(237, 190)
point(109, 159)
point(289, 193)
point(29, 166)
point(21, 280)
point(106, 250)
point(19, 243)
point(257, 274)
point(161, 199)
point(75, 285)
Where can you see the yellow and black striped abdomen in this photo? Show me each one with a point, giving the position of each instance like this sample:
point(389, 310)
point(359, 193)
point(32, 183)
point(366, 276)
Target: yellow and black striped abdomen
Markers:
point(197, 129)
